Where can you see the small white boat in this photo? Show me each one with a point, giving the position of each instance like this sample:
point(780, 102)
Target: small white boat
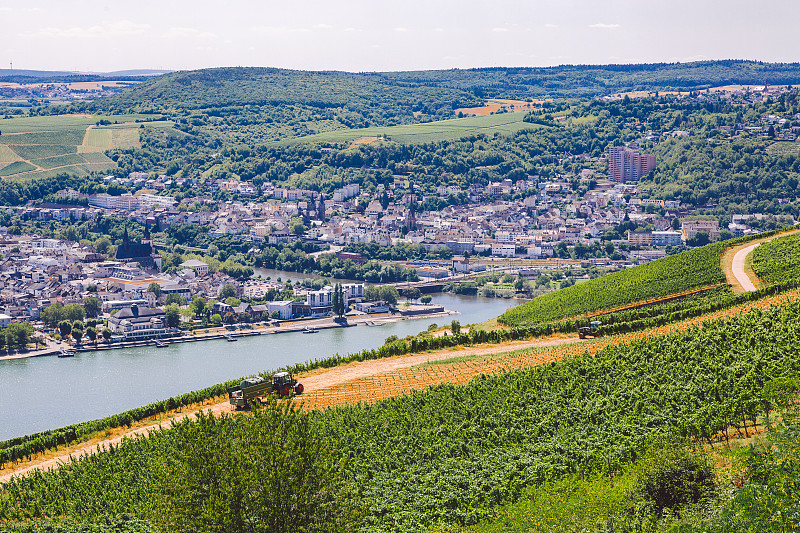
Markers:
point(230, 338)
point(66, 353)
point(161, 344)
point(310, 330)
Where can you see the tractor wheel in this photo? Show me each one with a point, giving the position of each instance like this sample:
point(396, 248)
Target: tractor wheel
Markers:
point(298, 389)
point(581, 336)
point(287, 391)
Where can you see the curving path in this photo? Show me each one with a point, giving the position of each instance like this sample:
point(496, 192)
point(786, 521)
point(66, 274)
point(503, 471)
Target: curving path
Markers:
point(738, 267)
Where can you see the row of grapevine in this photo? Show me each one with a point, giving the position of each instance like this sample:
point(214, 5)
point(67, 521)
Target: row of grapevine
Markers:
point(450, 454)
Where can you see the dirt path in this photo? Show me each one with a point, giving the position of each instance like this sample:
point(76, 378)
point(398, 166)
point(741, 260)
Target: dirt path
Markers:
point(734, 260)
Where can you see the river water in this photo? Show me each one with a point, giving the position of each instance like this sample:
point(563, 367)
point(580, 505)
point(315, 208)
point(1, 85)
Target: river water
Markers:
point(47, 392)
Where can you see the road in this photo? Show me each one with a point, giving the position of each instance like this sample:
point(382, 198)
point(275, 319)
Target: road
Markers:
point(738, 267)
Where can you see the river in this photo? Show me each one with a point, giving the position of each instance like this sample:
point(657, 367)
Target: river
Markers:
point(43, 393)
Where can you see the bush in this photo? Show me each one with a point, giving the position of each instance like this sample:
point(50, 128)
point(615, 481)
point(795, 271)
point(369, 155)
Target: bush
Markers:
point(672, 477)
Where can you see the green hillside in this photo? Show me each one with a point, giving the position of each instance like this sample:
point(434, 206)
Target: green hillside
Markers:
point(670, 275)
point(505, 123)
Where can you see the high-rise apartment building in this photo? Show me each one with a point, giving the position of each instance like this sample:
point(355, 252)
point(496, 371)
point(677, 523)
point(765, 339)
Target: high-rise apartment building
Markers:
point(625, 164)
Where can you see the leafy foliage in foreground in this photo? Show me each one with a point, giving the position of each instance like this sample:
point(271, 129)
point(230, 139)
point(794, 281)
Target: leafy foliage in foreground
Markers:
point(778, 260)
point(451, 454)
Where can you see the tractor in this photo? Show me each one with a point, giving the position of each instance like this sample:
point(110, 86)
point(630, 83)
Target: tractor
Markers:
point(282, 384)
point(593, 330)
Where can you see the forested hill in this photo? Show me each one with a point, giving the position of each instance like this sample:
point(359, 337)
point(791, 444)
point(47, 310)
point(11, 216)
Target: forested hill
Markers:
point(238, 86)
point(435, 92)
point(598, 80)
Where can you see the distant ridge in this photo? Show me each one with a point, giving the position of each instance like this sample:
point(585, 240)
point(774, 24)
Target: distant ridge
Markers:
point(52, 74)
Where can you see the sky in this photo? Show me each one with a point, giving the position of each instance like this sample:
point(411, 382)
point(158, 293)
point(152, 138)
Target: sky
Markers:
point(384, 35)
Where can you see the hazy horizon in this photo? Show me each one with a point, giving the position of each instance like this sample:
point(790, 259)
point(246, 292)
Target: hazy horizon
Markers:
point(359, 36)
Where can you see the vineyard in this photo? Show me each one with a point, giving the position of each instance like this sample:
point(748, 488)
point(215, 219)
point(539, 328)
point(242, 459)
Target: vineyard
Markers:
point(777, 261)
point(672, 274)
point(658, 279)
point(457, 451)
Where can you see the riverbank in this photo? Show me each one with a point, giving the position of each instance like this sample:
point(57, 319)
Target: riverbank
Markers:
point(304, 325)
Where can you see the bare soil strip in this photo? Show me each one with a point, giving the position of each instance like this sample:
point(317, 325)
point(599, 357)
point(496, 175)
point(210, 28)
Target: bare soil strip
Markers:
point(738, 276)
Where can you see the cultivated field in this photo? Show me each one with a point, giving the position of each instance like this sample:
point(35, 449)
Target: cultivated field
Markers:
point(783, 148)
point(495, 105)
point(45, 146)
point(505, 123)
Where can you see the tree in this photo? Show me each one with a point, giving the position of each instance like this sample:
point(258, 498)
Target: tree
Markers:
point(73, 312)
point(18, 334)
point(233, 301)
point(77, 331)
point(275, 314)
point(266, 472)
point(52, 314)
point(106, 334)
point(412, 293)
point(155, 288)
point(172, 315)
point(229, 318)
point(337, 303)
point(700, 238)
point(455, 327)
point(228, 291)
point(244, 317)
point(426, 299)
point(91, 332)
point(216, 319)
point(92, 305)
point(64, 327)
point(175, 298)
point(102, 245)
point(197, 305)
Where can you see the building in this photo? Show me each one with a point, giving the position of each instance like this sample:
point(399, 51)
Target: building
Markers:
point(283, 308)
point(200, 268)
point(134, 323)
point(143, 252)
point(640, 238)
point(690, 228)
point(625, 164)
point(666, 238)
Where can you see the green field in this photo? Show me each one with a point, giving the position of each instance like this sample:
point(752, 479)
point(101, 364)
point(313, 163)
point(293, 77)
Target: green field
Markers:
point(783, 148)
point(45, 146)
point(15, 168)
point(505, 123)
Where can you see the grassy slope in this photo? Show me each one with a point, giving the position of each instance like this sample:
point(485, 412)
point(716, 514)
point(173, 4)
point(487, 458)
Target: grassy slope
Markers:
point(672, 274)
point(428, 132)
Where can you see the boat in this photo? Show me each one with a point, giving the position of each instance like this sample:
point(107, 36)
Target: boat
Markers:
point(310, 330)
point(66, 353)
point(230, 338)
point(161, 344)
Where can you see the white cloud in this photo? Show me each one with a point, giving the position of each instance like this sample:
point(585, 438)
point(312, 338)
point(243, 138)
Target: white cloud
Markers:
point(351, 29)
point(401, 30)
point(322, 26)
point(5, 9)
point(603, 26)
point(551, 26)
point(438, 30)
point(499, 30)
